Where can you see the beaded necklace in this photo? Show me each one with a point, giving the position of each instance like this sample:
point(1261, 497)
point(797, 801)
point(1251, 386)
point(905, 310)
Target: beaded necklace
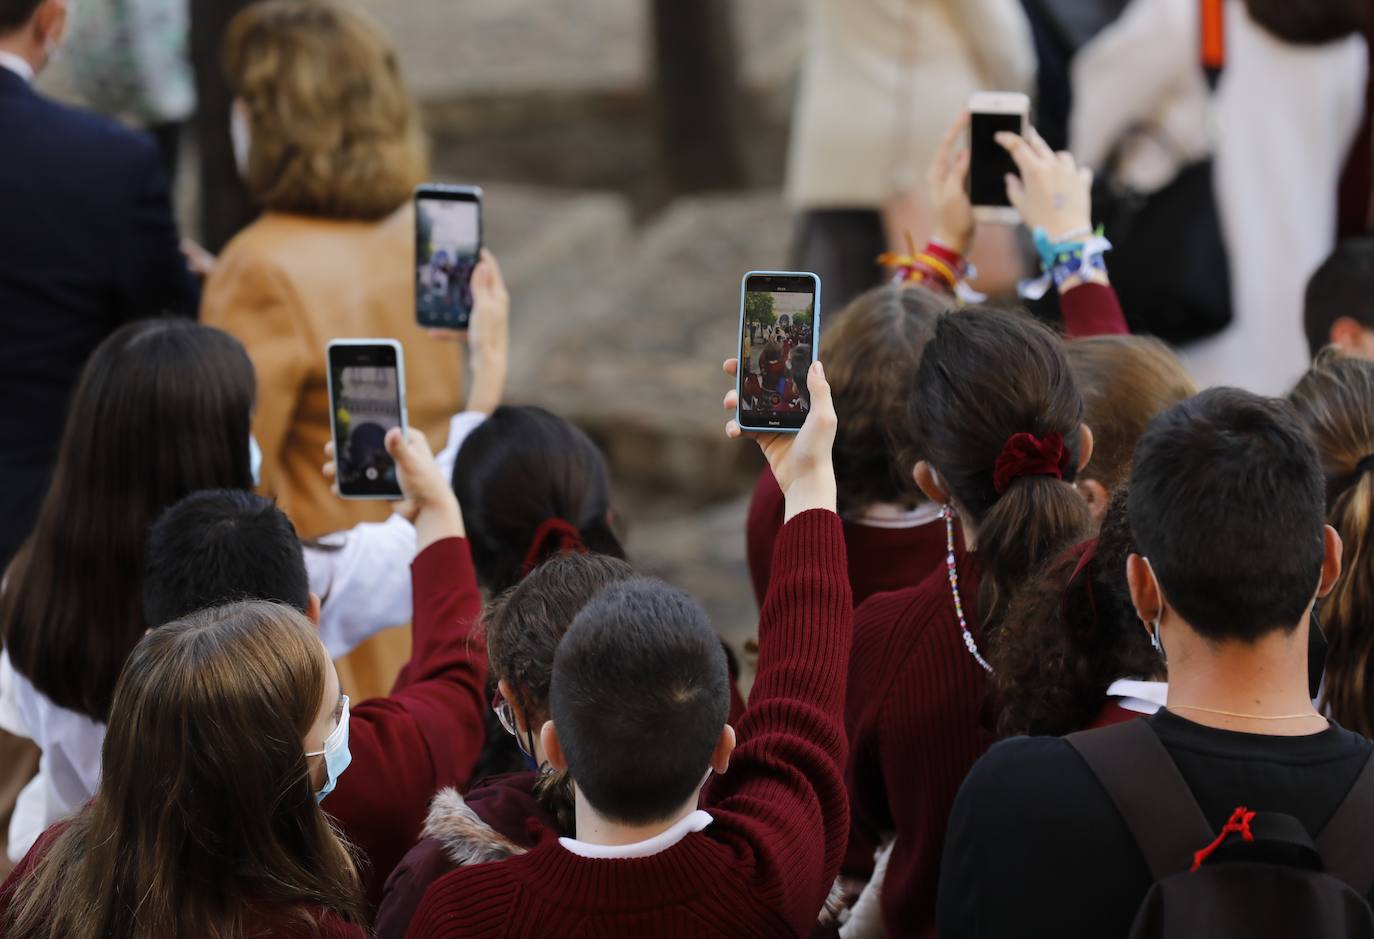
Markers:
point(947, 513)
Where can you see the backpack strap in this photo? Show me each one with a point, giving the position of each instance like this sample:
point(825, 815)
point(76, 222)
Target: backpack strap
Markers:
point(1148, 790)
point(1344, 842)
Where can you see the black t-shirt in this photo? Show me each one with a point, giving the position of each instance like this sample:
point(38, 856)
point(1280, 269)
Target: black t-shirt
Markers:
point(1036, 847)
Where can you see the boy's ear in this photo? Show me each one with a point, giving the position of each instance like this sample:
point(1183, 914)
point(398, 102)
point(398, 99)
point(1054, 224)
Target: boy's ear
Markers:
point(725, 745)
point(312, 609)
point(553, 750)
point(930, 482)
point(1331, 561)
point(1352, 338)
point(1145, 593)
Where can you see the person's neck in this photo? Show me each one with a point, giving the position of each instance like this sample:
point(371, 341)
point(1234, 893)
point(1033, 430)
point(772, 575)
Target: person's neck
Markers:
point(22, 49)
point(1264, 679)
point(594, 828)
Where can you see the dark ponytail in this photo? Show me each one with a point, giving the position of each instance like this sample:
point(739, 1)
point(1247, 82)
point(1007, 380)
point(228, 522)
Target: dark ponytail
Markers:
point(517, 475)
point(986, 377)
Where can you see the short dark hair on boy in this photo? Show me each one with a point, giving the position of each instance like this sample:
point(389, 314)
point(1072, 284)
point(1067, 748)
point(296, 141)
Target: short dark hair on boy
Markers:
point(1342, 286)
point(221, 546)
point(15, 13)
point(639, 696)
point(1227, 502)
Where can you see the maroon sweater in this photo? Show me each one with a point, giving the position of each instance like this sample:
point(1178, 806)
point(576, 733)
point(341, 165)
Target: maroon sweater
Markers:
point(283, 924)
point(882, 559)
point(765, 865)
point(914, 716)
point(428, 732)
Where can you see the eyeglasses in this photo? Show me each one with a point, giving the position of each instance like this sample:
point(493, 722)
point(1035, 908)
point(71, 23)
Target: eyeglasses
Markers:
point(504, 714)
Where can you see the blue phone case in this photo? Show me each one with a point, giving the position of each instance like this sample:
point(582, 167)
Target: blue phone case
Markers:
point(739, 343)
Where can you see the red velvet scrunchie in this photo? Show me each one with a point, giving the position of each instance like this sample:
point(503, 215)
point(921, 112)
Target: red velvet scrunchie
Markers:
point(553, 536)
point(1028, 455)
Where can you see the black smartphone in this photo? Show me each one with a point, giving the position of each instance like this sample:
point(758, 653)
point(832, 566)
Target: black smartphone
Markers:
point(448, 245)
point(991, 112)
point(367, 398)
point(779, 321)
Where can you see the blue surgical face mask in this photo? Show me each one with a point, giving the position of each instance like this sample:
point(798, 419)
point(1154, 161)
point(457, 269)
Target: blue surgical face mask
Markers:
point(255, 459)
point(336, 754)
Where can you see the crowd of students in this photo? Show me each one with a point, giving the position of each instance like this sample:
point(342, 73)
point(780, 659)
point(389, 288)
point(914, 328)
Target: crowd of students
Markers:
point(1015, 581)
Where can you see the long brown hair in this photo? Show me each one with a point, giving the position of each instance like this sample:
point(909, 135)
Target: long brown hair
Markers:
point(206, 818)
point(1125, 382)
point(1336, 401)
point(335, 133)
point(985, 376)
point(162, 410)
point(871, 350)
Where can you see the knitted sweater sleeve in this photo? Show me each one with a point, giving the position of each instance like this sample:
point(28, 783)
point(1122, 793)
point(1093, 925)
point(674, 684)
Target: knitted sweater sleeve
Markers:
point(783, 800)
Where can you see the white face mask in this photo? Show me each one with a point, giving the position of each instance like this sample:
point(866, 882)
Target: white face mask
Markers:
point(241, 137)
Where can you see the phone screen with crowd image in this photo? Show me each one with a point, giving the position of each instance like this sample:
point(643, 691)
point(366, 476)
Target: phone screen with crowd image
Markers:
point(777, 346)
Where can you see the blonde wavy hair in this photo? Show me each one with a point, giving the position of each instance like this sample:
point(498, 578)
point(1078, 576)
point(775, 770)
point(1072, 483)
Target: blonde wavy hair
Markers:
point(335, 131)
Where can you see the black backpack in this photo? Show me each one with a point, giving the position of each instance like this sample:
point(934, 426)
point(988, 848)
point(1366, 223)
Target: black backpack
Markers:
point(1262, 876)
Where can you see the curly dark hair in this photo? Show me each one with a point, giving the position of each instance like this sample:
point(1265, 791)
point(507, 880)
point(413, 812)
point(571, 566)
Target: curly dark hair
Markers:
point(1063, 642)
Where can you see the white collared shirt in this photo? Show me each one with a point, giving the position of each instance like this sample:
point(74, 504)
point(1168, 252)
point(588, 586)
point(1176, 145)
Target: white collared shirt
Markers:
point(647, 848)
point(16, 64)
point(887, 515)
point(1142, 697)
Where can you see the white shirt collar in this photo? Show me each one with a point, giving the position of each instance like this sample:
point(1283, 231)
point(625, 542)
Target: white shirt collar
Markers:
point(17, 65)
point(887, 515)
point(647, 848)
point(1142, 697)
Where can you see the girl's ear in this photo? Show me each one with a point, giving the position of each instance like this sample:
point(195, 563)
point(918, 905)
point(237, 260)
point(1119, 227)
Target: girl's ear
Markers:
point(930, 482)
point(1097, 497)
point(553, 750)
point(1085, 446)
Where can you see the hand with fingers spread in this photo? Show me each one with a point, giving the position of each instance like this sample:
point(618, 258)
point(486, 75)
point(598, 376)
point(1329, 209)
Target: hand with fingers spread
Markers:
point(1053, 191)
point(947, 180)
point(801, 462)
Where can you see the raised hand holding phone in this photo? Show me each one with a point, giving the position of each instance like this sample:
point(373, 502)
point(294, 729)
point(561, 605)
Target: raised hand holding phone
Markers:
point(488, 335)
point(1053, 192)
point(801, 462)
point(947, 183)
point(435, 507)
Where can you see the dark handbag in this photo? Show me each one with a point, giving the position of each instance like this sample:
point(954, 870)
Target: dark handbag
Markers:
point(1168, 261)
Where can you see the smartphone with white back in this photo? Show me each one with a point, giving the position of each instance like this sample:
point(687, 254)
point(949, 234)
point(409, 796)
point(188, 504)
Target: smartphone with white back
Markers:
point(991, 112)
point(779, 321)
point(367, 397)
point(448, 245)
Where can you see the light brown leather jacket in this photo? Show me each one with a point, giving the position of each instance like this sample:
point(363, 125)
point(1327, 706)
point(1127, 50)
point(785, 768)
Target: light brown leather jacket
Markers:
point(286, 286)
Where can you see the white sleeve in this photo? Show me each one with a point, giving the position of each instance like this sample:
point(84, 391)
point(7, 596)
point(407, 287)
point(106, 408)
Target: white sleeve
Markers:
point(459, 426)
point(11, 719)
point(1125, 74)
point(362, 577)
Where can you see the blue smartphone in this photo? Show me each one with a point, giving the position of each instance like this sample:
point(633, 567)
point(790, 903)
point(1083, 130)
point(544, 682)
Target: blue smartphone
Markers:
point(779, 323)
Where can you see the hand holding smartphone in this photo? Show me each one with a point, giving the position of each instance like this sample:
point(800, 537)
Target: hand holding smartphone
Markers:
point(779, 324)
point(448, 245)
point(991, 112)
point(366, 400)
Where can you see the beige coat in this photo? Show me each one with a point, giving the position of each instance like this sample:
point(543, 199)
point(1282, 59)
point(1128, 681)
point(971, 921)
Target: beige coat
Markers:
point(881, 83)
point(286, 286)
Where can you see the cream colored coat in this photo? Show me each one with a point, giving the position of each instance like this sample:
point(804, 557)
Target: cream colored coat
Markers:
point(881, 83)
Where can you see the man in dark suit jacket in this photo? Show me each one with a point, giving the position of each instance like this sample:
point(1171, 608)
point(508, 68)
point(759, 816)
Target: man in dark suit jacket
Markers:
point(87, 243)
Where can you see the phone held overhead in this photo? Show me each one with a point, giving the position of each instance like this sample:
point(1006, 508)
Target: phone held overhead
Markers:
point(448, 245)
point(779, 323)
point(366, 400)
point(990, 113)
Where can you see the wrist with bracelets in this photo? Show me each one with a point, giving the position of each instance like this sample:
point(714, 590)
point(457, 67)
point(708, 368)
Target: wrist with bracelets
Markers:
point(939, 267)
point(1075, 258)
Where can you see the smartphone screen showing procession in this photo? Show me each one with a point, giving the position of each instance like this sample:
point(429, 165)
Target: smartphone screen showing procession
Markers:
point(777, 347)
point(365, 390)
point(448, 243)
